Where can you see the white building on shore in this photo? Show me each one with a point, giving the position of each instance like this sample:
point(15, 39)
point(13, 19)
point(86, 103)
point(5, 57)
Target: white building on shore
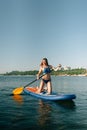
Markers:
point(67, 68)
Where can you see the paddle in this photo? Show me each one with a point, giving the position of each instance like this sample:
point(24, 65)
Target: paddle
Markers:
point(20, 89)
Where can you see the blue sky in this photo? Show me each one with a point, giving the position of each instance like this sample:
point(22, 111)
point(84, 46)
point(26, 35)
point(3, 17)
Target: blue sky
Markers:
point(33, 29)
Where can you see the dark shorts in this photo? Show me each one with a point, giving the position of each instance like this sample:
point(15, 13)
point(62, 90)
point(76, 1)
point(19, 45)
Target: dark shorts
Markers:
point(46, 81)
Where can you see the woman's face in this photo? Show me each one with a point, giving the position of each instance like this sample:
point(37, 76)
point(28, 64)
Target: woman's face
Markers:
point(44, 62)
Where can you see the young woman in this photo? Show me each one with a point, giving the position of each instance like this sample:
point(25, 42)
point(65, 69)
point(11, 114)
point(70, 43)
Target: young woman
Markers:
point(45, 68)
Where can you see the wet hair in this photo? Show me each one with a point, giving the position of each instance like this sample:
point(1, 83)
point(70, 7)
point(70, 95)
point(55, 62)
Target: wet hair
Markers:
point(45, 61)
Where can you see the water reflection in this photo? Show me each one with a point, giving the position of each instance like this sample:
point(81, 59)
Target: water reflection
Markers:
point(51, 113)
point(44, 113)
point(70, 104)
point(18, 98)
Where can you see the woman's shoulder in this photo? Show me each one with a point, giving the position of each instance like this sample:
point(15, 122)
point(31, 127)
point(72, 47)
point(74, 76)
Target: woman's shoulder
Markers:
point(41, 67)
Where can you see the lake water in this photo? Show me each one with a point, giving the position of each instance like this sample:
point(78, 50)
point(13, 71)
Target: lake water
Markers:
point(19, 112)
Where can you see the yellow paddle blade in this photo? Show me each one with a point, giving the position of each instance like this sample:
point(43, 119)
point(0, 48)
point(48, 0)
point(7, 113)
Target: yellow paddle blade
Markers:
point(18, 90)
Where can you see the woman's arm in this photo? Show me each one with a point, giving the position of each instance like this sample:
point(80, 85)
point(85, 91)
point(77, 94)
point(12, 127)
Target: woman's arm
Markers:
point(40, 71)
point(54, 68)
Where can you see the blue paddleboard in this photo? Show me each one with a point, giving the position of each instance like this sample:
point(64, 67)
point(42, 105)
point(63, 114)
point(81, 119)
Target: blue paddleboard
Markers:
point(51, 97)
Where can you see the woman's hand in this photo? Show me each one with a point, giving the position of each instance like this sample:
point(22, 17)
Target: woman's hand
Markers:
point(37, 76)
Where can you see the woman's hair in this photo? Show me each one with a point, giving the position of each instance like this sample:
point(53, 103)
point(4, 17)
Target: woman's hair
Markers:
point(45, 61)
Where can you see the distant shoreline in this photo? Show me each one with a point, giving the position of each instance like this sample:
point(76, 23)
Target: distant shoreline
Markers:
point(81, 75)
point(72, 72)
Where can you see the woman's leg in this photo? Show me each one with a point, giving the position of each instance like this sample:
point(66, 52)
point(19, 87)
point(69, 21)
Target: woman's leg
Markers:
point(49, 87)
point(41, 87)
